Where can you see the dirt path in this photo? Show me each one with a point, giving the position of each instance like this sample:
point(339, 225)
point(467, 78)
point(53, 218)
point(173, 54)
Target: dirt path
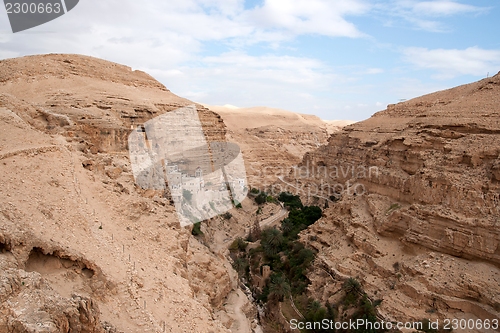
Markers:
point(236, 302)
point(274, 218)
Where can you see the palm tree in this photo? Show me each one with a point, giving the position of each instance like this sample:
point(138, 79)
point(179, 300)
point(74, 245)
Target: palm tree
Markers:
point(313, 307)
point(351, 285)
point(271, 241)
point(279, 287)
point(286, 226)
point(240, 265)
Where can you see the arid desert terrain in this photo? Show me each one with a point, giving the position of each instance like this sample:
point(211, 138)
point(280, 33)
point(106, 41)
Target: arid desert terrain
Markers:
point(395, 218)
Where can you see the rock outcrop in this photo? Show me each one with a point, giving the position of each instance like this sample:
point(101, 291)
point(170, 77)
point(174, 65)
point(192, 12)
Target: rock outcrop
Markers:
point(82, 248)
point(93, 101)
point(419, 217)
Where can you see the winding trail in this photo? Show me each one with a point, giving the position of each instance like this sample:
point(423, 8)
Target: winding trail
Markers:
point(237, 299)
point(274, 218)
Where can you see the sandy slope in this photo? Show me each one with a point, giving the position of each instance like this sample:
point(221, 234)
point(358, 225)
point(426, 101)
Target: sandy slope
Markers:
point(72, 220)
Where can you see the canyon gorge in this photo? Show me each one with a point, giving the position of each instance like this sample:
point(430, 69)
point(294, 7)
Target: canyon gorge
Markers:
point(409, 198)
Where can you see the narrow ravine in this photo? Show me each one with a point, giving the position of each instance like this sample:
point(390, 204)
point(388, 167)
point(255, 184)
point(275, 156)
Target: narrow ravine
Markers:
point(238, 303)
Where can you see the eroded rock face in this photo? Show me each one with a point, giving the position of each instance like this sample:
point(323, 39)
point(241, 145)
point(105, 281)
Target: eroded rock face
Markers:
point(82, 248)
point(438, 155)
point(92, 101)
point(434, 187)
point(274, 140)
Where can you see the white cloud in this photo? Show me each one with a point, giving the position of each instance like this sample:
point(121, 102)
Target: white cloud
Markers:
point(310, 16)
point(305, 73)
point(450, 63)
point(425, 15)
point(241, 79)
point(374, 71)
point(444, 8)
point(174, 32)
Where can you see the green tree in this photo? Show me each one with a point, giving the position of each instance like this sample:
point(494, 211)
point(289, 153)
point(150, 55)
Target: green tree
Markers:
point(271, 241)
point(261, 198)
point(351, 285)
point(279, 288)
point(290, 200)
point(238, 245)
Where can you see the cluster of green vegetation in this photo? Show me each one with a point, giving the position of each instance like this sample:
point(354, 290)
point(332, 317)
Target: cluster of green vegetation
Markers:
point(353, 299)
point(239, 245)
point(291, 201)
point(197, 229)
point(287, 257)
point(315, 312)
point(261, 197)
point(289, 261)
point(392, 207)
point(238, 254)
point(254, 190)
point(299, 217)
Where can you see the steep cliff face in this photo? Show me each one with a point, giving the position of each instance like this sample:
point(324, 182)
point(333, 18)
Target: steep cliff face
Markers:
point(418, 177)
point(90, 99)
point(81, 247)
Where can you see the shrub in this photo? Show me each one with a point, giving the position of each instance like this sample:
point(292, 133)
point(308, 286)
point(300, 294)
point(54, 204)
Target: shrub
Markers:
point(227, 215)
point(392, 207)
point(238, 245)
point(255, 191)
point(279, 288)
point(240, 265)
point(351, 285)
point(197, 229)
point(261, 198)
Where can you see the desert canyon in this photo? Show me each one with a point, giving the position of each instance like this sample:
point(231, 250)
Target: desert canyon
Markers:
point(409, 197)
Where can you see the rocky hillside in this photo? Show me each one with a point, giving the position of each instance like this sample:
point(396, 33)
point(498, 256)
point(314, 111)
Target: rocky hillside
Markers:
point(418, 220)
point(274, 140)
point(82, 249)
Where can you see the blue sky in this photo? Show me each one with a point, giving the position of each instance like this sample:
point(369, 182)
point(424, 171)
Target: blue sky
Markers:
point(338, 59)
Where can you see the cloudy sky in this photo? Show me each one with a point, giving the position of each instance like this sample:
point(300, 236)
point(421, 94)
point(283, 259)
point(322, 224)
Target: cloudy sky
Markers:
point(338, 59)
